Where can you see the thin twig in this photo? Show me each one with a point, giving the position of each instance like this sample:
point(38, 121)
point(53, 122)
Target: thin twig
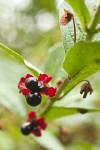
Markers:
point(74, 31)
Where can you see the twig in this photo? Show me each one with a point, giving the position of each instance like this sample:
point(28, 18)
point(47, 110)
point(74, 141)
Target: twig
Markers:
point(74, 31)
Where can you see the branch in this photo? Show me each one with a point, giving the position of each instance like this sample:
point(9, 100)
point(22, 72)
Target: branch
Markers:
point(49, 103)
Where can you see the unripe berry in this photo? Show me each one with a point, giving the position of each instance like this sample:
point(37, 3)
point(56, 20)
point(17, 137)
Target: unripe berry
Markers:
point(26, 128)
point(31, 84)
point(33, 99)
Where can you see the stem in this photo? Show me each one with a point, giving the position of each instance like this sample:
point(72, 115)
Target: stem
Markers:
point(48, 105)
point(63, 85)
point(73, 87)
point(74, 30)
point(92, 29)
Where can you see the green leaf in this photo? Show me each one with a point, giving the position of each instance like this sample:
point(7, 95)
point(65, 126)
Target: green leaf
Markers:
point(81, 10)
point(89, 56)
point(81, 61)
point(67, 31)
point(58, 112)
point(83, 57)
point(32, 68)
point(55, 60)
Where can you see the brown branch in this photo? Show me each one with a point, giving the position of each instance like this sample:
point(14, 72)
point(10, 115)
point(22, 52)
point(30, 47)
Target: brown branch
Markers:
point(74, 31)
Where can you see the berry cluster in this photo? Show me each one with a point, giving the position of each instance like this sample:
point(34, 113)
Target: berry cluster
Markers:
point(33, 125)
point(32, 88)
point(34, 97)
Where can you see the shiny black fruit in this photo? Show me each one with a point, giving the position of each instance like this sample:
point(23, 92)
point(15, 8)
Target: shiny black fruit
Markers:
point(31, 84)
point(26, 128)
point(33, 99)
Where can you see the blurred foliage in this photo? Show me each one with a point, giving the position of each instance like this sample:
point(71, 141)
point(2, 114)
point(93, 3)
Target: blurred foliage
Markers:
point(31, 28)
point(23, 27)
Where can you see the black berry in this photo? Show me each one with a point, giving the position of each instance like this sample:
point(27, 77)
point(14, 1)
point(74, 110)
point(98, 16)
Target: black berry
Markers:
point(26, 128)
point(31, 84)
point(33, 99)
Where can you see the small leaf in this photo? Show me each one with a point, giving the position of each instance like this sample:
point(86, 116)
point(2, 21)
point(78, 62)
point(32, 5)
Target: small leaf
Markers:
point(81, 10)
point(58, 112)
point(55, 60)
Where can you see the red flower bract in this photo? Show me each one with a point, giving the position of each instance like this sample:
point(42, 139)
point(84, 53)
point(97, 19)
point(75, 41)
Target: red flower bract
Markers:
point(43, 79)
point(21, 85)
point(50, 91)
point(39, 123)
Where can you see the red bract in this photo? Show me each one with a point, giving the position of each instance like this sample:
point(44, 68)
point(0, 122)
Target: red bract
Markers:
point(49, 91)
point(21, 85)
point(43, 79)
point(39, 123)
